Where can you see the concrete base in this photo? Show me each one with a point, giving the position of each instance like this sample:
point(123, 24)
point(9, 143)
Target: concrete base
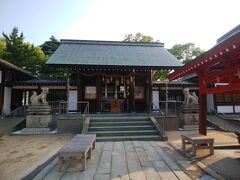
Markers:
point(168, 123)
point(69, 124)
point(38, 121)
point(27, 131)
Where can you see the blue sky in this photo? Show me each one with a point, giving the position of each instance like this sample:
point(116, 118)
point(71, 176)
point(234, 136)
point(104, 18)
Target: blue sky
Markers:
point(170, 21)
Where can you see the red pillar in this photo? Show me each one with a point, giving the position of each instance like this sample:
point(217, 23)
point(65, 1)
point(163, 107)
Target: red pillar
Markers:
point(203, 114)
point(202, 106)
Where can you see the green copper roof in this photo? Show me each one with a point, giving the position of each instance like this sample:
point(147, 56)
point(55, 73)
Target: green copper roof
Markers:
point(112, 53)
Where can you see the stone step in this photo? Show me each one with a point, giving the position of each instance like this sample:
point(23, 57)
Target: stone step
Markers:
point(119, 128)
point(119, 120)
point(119, 115)
point(108, 119)
point(131, 138)
point(125, 133)
point(130, 123)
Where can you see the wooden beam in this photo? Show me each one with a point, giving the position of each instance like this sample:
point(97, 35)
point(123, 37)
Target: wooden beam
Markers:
point(230, 73)
point(222, 89)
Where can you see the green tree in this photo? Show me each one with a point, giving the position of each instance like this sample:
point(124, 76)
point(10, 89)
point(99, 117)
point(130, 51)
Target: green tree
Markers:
point(15, 47)
point(185, 52)
point(21, 54)
point(50, 46)
point(138, 37)
point(160, 74)
point(2, 46)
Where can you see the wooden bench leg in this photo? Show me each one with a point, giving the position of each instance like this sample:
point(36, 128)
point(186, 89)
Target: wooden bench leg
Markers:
point(89, 153)
point(94, 144)
point(60, 163)
point(211, 149)
point(194, 149)
point(183, 144)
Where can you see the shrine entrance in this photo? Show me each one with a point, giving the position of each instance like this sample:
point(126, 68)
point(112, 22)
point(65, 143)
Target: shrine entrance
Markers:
point(115, 94)
point(114, 91)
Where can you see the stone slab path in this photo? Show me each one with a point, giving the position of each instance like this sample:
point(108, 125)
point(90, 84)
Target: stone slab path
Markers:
point(130, 160)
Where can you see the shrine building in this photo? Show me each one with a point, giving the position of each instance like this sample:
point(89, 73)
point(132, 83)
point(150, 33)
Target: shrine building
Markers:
point(112, 76)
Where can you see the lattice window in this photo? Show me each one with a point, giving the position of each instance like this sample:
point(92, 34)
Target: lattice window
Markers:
point(219, 98)
point(228, 97)
point(236, 98)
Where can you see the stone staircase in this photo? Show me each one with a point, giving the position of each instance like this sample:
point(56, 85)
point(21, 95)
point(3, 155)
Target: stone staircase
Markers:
point(117, 128)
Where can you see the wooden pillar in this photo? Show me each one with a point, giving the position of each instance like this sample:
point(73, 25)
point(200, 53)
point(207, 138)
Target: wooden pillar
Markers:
point(132, 92)
point(98, 93)
point(149, 100)
point(79, 86)
point(202, 107)
point(203, 114)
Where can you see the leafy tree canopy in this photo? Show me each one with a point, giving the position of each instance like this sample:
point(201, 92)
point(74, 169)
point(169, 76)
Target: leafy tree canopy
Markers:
point(50, 46)
point(185, 52)
point(22, 54)
point(2, 46)
point(138, 37)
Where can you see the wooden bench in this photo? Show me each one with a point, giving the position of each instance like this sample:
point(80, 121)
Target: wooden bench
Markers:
point(198, 141)
point(80, 147)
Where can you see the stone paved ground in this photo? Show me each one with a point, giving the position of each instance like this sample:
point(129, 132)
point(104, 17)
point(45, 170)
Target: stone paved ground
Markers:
point(139, 160)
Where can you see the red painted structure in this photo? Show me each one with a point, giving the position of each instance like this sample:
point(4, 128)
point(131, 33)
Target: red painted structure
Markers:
point(221, 64)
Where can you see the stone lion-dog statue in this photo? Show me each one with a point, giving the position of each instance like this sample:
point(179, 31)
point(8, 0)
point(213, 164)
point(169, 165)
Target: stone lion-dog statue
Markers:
point(41, 98)
point(189, 98)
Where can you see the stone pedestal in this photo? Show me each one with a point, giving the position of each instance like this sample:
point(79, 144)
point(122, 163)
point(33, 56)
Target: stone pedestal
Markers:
point(189, 117)
point(38, 120)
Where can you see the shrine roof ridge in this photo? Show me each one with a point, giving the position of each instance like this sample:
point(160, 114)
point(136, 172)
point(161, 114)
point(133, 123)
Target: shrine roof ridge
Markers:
point(119, 43)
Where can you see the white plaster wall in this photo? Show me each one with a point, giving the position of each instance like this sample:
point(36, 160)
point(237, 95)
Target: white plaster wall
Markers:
point(7, 100)
point(237, 109)
point(72, 100)
point(225, 109)
point(210, 103)
point(155, 99)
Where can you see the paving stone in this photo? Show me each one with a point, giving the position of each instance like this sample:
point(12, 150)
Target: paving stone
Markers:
point(119, 168)
point(128, 145)
point(105, 162)
point(118, 148)
point(134, 166)
point(108, 146)
point(101, 176)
